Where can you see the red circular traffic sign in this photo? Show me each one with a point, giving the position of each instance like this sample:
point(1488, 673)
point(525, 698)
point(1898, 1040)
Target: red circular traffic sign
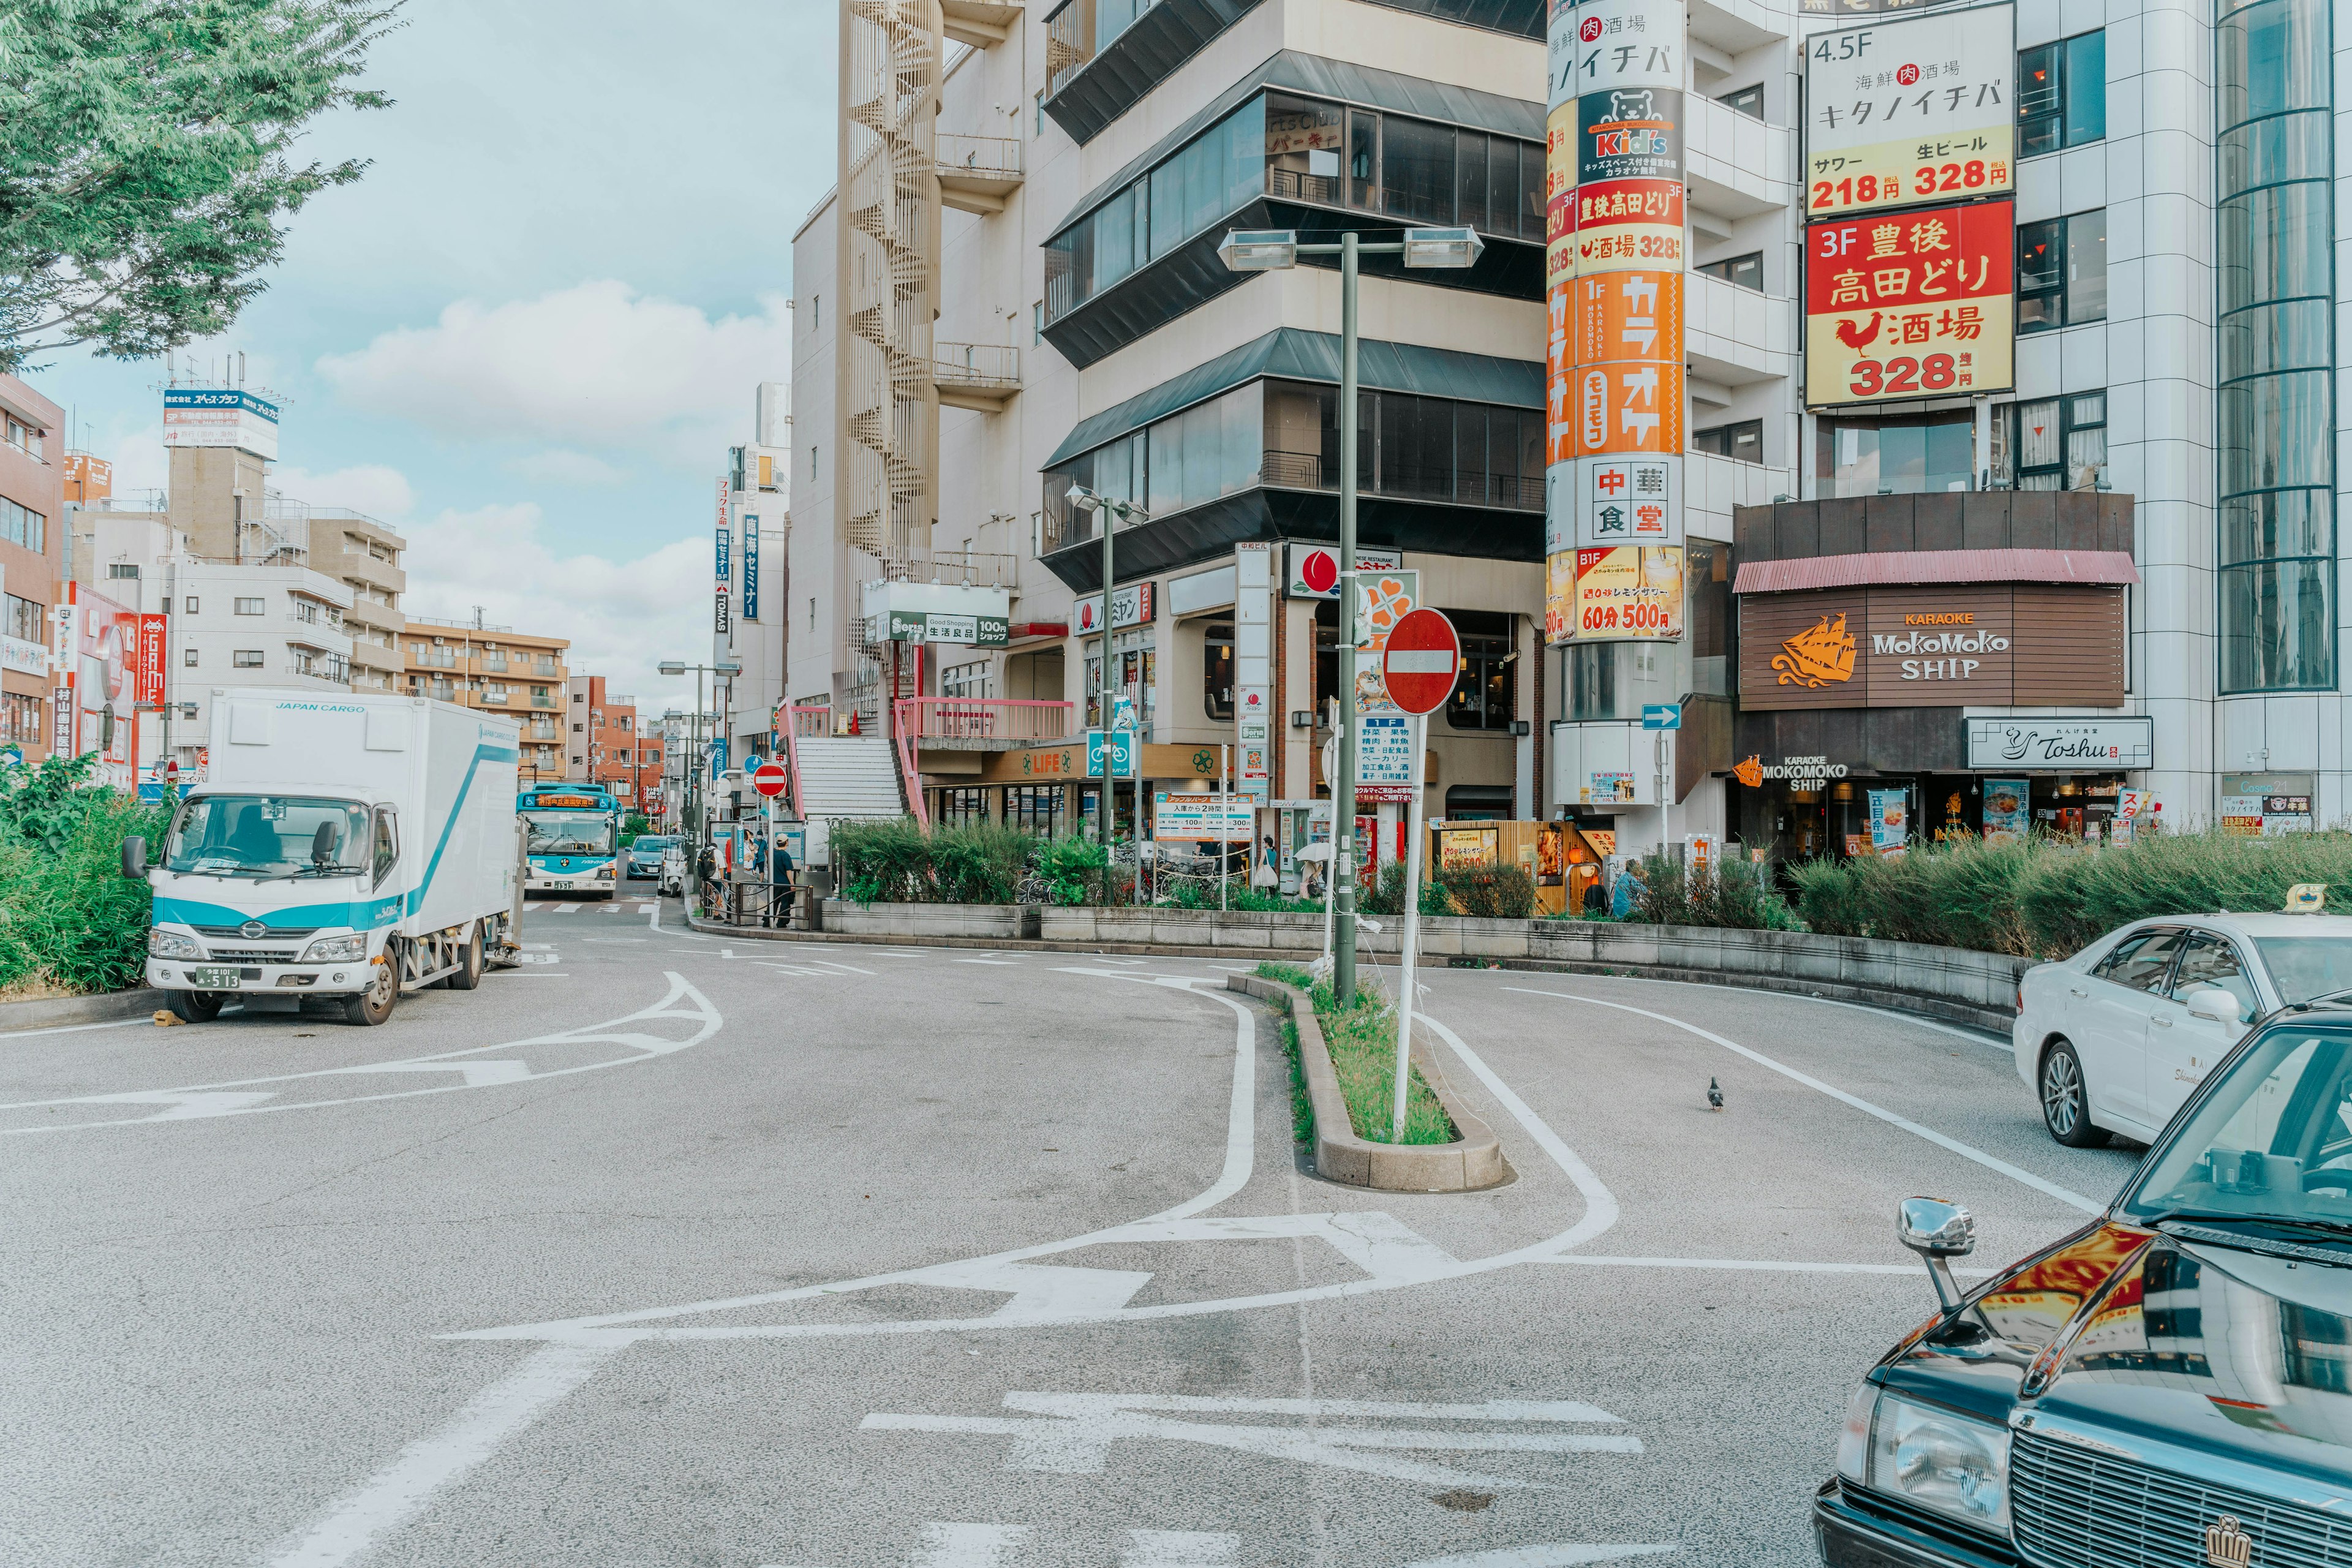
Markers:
point(1420, 660)
point(769, 779)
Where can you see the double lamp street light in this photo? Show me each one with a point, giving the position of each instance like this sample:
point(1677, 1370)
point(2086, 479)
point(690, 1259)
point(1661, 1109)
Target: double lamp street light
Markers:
point(718, 669)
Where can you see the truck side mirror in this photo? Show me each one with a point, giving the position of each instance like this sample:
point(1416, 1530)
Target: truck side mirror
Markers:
point(134, 858)
point(322, 844)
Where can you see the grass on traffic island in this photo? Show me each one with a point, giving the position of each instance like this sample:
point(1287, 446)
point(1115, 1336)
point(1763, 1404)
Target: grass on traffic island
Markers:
point(1361, 1040)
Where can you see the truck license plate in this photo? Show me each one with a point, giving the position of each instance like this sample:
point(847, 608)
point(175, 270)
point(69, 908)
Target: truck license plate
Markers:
point(213, 979)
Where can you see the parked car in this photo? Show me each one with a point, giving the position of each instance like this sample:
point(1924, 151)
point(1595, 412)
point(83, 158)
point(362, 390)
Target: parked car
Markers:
point(645, 853)
point(2115, 1039)
point(2166, 1387)
point(673, 871)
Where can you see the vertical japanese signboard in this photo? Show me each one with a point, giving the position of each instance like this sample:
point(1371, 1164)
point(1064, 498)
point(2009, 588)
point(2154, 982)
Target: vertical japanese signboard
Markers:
point(1913, 110)
point(1919, 303)
point(1614, 263)
point(1384, 738)
point(722, 620)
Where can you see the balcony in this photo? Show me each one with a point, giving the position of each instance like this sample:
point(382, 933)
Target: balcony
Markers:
point(1100, 66)
point(1735, 335)
point(975, 723)
point(981, 23)
point(978, 173)
point(1735, 164)
point(981, 378)
point(494, 664)
point(433, 657)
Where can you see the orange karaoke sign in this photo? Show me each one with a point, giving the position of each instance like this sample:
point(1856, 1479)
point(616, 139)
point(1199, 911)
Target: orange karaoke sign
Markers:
point(1910, 305)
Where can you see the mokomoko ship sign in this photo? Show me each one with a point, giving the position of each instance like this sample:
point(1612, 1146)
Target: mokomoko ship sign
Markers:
point(1988, 644)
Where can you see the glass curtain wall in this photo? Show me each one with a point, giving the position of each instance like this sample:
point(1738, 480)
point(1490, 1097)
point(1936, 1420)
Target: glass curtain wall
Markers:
point(1286, 434)
point(1300, 149)
point(2276, 527)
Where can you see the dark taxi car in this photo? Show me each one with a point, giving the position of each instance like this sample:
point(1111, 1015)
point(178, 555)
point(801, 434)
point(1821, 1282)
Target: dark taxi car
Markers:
point(2169, 1387)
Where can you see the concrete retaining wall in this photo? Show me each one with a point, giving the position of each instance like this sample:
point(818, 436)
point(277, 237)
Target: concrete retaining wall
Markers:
point(1976, 988)
point(52, 1012)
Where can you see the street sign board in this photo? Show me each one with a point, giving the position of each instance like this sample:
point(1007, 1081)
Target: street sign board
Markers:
point(769, 779)
point(1662, 715)
point(1421, 662)
point(1122, 753)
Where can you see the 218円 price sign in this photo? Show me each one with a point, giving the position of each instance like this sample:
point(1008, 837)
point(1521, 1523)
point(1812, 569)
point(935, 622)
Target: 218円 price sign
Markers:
point(1915, 110)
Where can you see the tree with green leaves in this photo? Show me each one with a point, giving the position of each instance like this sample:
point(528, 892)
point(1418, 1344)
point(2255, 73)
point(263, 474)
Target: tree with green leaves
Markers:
point(147, 158)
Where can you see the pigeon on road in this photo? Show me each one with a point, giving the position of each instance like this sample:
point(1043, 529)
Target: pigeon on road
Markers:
point(1714, 1095)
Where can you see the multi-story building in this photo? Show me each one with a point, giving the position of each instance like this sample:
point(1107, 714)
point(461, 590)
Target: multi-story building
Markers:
point(499, 670)
point(32, 560)
point(751, 528)
point(605, 744)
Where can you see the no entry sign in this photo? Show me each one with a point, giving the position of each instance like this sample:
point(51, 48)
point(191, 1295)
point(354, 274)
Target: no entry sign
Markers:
point(1422, 659)
point(769, 778)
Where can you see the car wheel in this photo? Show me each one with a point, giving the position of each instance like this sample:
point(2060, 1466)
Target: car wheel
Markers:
point(193, 1006)
point(2066, 1099)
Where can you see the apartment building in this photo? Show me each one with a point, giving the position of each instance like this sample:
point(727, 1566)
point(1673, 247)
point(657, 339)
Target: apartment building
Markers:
point(607, 743)
point(32, 561)
point(499, 669)
point(2114, 458)
point(752, 609)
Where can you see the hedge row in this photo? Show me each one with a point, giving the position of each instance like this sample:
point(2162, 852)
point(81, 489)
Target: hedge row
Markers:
point(69, 920)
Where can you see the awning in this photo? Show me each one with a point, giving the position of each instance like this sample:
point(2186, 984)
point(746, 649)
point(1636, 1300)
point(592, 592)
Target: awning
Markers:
point(1907, 568)
point(1297, 356)
point(1339, 81)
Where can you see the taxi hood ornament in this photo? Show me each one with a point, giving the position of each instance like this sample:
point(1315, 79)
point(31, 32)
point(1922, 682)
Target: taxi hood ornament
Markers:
point(2226, 1545)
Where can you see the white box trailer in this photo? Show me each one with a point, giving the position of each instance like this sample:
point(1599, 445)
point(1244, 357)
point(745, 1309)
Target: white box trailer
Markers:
point(348, 845)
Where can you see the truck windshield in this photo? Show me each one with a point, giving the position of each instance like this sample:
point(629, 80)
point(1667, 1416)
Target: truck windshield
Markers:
point(264, 835)
point(2272, 1141)
point(569, 832)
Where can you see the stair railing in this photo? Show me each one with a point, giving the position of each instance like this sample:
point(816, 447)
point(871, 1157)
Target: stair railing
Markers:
point(799, 721)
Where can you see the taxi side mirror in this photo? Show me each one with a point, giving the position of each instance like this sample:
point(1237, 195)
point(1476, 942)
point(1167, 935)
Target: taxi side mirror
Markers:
point(1937, 1231)
point(2212, 1002)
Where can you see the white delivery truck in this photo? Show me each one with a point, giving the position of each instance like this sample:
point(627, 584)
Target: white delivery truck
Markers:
point(354, 846)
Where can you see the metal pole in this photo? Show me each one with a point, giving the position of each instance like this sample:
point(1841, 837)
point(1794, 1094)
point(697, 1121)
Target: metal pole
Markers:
point(1412, 937)
point(1343, 787)
point(1224, 819)
point(1106, 517)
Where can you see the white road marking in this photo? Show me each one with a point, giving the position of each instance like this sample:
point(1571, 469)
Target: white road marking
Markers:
point(253, 1096)
point(540, 957)
point(1179, 1549)
point(1757, 1265)
point(1007, 963)
point(1966, 1151)
point(1077, 1432)
point(850, 968)
point(967, 1545)
point(396, 1494)
point(143, 1019)
point(565, 909)
point(1550, 1555)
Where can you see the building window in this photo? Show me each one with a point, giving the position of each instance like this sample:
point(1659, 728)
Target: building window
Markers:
point(1894, 457)
point(27, 620)
point(22, 525)
point(1744, 440)
point(1034, 809)
point(2275, 527)
point(1217, 670)
point(2062, 272)
point(188, 604)
point(812, 462)
point(2061, 94)
point(248, 606)
point(1036, 323)
point(2054, 444)
point(188, 658)
point(118, 569)
point(1039, 103)
point(960, 807)
point(578, 728)
point(1748, 271)
point(25, 438)
point(20, 719)
point(1484, 690)
point(816, 311)
point(247, 658)
point(1747, 100)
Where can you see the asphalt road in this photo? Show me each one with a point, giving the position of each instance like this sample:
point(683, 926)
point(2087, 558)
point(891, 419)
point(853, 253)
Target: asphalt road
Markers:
point(673, 1250)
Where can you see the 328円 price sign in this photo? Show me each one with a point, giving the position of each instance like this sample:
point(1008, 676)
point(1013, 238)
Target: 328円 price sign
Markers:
point(1910, 305)
point(1911, 111)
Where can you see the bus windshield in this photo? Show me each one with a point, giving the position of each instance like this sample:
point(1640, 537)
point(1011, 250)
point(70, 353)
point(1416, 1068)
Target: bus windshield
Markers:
point(267, 834)
point(569, 832)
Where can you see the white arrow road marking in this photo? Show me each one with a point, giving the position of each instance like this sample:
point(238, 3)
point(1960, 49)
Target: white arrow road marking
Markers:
point(1077, 1431)
point(682, 1004)
point(967, 1545)
point(1041, 1294)
point(403, 1488)
point(1964, 1151)
point(1179, 1549)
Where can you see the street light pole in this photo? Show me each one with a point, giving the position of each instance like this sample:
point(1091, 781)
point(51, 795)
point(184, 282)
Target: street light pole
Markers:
point(693, 781)
point(1273, 251)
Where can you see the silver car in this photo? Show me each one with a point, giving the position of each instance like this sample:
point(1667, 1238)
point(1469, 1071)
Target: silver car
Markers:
point(2113, 1039)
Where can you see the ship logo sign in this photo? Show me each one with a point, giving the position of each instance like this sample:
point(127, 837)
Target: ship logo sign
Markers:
point(1821, 655)
point(252, 930)
point(2226, 1545)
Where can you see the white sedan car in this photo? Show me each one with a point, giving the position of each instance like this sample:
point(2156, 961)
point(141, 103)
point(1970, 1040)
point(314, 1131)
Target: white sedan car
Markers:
point(2115, 1039)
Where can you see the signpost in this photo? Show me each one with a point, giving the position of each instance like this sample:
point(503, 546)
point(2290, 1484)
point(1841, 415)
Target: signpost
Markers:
point(1420, 664)
point(1662, 715)
point(769, 778)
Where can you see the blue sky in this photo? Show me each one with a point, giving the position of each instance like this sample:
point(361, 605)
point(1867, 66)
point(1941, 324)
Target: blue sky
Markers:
point(528, 336)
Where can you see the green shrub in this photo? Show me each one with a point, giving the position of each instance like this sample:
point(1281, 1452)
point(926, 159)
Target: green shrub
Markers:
point(1361, 1041)
point(887, 861)
point(1735, 894)
point(1072, 868)
point(1490, 892)
point(1387, 897)
point(68, 919)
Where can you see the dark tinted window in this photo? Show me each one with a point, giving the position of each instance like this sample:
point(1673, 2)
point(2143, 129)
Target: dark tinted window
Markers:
point(2143, 962)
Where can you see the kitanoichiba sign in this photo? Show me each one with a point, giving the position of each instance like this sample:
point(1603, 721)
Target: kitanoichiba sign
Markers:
point(1916, 110)
point(1910, 305)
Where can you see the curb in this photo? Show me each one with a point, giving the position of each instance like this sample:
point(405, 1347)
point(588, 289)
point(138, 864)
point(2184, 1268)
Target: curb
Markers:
point(48, 1011)
point(1473, 1161)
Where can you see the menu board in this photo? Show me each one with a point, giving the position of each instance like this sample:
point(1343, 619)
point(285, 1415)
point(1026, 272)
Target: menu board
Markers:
point(2008, 810)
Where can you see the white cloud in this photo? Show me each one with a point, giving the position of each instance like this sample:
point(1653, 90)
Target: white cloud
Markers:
point(372, 488)
point(556, 466)
point(622, 617)
point(594, 365)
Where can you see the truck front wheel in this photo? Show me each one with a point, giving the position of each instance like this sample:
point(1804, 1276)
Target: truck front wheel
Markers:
point(195, 1006)
point(471, 959)
point(373, 1005)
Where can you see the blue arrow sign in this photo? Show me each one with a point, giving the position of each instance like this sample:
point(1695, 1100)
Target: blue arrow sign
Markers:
point(1662, 715)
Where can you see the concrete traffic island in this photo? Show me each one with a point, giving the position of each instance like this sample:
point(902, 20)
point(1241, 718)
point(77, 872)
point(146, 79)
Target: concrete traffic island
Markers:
point(1472, 1161)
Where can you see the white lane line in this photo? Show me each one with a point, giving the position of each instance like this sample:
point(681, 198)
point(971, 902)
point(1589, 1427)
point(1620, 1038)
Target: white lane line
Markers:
point(849, 968)
point(1007, 963)
point(1974, 1037)
point(1599, 1202)
point(565, 909)
point(967, 1545)
point(77, 1028)
point(1964, 1151)
point(396, 1494)
point(1179, 1549)
point(1754, 1265)
point(1550, 1555)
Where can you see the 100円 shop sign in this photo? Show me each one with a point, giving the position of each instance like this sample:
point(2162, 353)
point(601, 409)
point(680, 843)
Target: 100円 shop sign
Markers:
point(1991, 645)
